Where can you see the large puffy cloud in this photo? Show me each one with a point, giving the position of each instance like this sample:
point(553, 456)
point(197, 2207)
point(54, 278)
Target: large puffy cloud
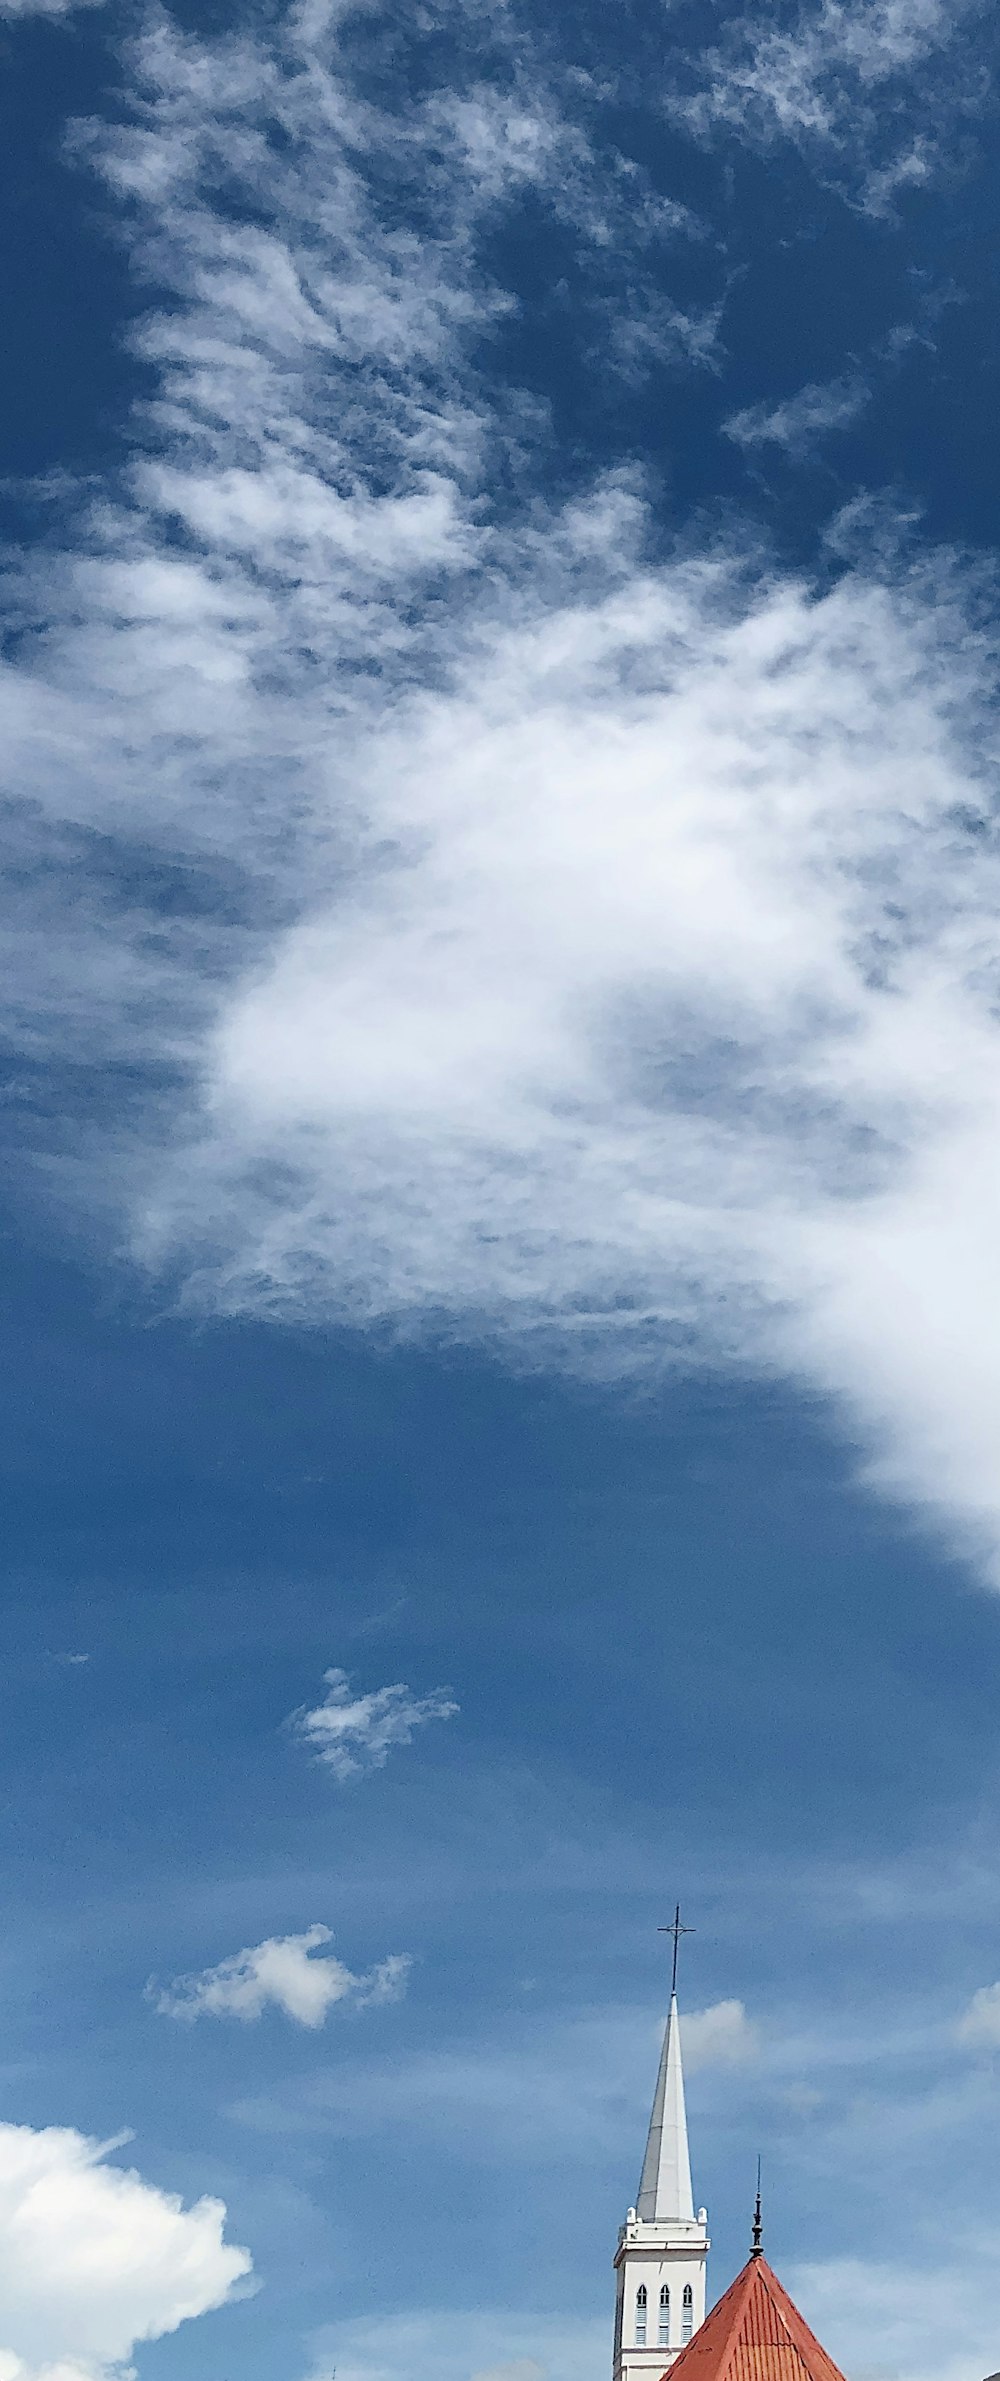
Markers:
point(526, 931)
point(94, 2260)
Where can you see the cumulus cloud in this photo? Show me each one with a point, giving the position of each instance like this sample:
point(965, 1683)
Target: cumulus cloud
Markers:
point(281, 1973)
point(494, 922)
point(93, 2260)
point(351, 1734)
point(722, 2036)
point(979, 2025)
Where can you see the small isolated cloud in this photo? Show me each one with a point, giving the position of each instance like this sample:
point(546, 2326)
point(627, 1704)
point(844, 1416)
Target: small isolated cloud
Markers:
point(721, 2036)
point(281, 1973)
point(979, 2027)
point(354, 1733)
point(800, 421)
point(94, 2260)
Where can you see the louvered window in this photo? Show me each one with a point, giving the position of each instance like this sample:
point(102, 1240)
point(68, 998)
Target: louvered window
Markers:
point(640, 2316)
point(687, 2312)
point(663, 2338)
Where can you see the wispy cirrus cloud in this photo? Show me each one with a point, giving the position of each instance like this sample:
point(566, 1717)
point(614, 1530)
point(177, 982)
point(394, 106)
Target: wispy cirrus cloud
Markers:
point(487, 918)
point(799, 422)
point(351, 1734)
point(281, 1973)
point(870, 87)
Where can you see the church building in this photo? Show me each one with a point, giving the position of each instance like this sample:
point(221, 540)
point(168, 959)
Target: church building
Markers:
point(755, 2333)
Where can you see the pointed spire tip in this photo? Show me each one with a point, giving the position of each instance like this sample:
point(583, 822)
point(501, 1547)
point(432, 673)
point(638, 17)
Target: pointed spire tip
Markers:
point(758, 2227)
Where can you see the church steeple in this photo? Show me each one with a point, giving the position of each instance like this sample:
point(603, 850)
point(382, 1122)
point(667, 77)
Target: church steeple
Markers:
point(665, 2194)
point(662, 2245)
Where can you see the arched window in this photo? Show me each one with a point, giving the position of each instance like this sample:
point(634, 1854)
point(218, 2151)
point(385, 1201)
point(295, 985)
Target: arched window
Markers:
point(663, 2338)
point(687, 2313)
point(640, 2316)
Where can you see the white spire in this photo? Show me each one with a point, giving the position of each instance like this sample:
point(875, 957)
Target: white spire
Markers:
point(665, 2190)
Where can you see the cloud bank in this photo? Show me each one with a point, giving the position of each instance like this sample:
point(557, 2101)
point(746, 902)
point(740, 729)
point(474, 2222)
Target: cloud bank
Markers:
point(281, 1973)
point(93, 2260)
point(352, 1734)
point(489, 919)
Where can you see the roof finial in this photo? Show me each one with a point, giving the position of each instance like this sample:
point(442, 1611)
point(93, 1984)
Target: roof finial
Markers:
point(757, 2223)
point(677, 1930)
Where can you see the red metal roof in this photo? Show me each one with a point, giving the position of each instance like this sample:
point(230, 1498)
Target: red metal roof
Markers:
point(754, 2334)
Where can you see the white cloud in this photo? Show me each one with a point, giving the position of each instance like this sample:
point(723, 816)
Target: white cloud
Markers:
point(800, 421)
point(576, 945)
point(869, 86)
point(352, 1734)
point(13, 9)
point(93, 2260)
point(722, 2036)
point(979, 2026)
point(281, 1973)
point(801, 71)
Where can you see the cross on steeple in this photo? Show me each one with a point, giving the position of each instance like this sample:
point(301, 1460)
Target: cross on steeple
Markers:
point(676, 1930)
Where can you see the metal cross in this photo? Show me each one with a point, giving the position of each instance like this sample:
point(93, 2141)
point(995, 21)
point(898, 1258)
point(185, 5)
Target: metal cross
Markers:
point(676, 1930)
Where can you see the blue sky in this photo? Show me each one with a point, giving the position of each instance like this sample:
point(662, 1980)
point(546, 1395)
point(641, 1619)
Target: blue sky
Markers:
point(500, 1174)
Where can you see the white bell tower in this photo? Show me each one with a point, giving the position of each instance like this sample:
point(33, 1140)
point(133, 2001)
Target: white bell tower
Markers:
point(662, 2246)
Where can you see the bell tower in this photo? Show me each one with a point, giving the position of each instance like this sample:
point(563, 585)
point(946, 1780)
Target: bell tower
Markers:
point(662, 2246)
